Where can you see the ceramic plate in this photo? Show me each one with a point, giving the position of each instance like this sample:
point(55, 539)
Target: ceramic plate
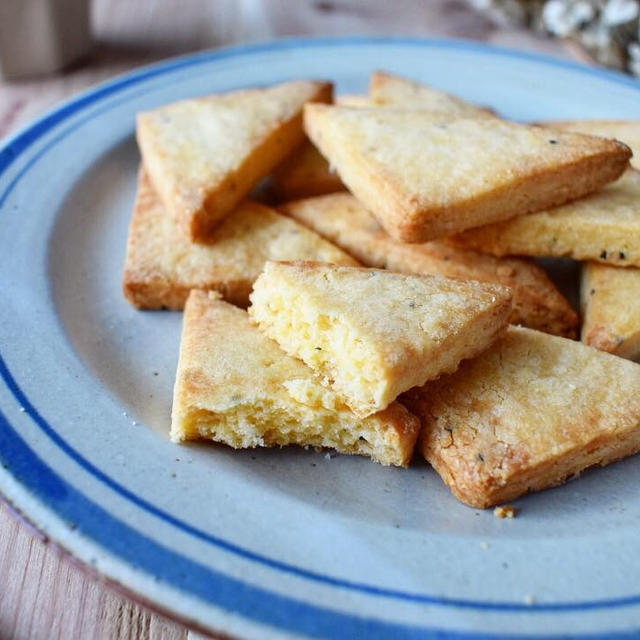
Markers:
point(269, 544)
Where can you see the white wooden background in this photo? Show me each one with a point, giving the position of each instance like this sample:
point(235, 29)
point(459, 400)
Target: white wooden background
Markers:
point(44, 596)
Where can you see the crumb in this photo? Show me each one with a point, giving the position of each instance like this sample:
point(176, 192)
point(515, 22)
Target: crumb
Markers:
point(529, 599)
point(134, 423)
point(124, 413)
point(22, 409)
point(328, 455)
point(484, 544)
point(174, 475)
point(505, 511)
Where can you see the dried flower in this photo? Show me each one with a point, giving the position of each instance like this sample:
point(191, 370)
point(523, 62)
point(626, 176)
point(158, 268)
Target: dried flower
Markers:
point(609, 30)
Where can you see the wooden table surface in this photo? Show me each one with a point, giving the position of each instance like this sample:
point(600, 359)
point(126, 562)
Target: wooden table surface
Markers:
point(44, 595)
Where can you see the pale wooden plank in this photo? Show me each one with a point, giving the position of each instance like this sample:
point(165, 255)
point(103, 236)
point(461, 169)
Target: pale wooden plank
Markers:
point(44, 596)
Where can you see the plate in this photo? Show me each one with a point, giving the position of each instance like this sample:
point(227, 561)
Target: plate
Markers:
point(273, 543)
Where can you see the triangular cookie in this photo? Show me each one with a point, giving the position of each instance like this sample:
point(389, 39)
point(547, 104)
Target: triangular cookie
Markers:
point(425, 176)
point(374, 333)
point(236, 386)
point(163, 264)
point(604, 227)
point(341, 219)
point(610, 301)
point(527, 414)
point(627, 131)
point(205, 155)
point(306, 173)
point(388, 89)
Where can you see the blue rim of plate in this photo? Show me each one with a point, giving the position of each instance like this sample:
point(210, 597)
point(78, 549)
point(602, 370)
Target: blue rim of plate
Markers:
point(254, 603)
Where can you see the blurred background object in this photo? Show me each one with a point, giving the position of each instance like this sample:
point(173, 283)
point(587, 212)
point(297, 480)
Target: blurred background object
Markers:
point(40, 36)
point(606, 31)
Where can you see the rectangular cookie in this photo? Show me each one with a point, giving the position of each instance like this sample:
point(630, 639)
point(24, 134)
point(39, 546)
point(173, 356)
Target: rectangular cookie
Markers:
point(425, 175)
point(529, 413)
point(237, 387)
point(610, 300)
point(603, 227)
point(204, 155)
point(372, 333)
point(163, 264)
point(341, 219)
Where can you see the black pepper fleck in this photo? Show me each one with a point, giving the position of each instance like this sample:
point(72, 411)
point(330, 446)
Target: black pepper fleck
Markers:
point(553, 141)
point(480, 457)
point(622, 255)
point(603, 255)
point(324, 6)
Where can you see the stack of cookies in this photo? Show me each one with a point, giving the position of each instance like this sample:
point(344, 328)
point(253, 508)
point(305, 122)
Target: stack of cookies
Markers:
point(387, 313)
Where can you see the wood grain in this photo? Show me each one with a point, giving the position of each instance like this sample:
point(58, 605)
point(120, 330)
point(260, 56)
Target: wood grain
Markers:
point(44, 596)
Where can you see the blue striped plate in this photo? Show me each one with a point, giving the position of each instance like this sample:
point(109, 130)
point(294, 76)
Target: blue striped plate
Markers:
point(269, 544)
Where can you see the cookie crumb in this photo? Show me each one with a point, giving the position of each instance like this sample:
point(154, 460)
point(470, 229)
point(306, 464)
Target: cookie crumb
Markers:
point(484, 545)
point(529, 599)
point(505, 511)
point(22, 409)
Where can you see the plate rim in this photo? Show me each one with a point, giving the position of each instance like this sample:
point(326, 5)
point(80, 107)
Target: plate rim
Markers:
point(19, 142)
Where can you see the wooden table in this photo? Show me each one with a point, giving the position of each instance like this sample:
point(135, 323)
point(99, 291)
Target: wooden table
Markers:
point(44, 595)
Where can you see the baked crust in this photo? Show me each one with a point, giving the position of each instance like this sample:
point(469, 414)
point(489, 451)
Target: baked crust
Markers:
point(163, 264)
point(305, 174)
point(610, 301)
point(372, 333)
point(480, 170)
point(204, 155)
point(236, 386)
point(529, 413)
point(602, 227)
point(387, 89)
point(627, 131)
point(341, 219)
